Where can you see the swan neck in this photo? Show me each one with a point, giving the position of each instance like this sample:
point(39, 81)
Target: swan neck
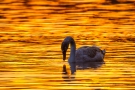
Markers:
point(72, 51)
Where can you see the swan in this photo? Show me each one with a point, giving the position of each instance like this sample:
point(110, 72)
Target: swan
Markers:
point(82, 54)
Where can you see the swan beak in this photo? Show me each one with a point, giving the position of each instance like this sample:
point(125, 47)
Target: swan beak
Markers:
point(64, 55)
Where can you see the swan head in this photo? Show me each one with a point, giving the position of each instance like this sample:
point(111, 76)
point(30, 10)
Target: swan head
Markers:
point(64, 47)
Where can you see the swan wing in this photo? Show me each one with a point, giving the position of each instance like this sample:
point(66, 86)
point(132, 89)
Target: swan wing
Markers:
point(89, 51)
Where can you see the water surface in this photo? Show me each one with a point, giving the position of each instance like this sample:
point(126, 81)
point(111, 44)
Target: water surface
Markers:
point(31, 34)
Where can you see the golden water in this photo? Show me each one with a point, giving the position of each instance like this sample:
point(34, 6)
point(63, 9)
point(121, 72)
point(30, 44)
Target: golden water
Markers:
point(31, 32)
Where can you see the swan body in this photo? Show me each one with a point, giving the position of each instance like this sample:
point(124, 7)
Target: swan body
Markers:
point(82, 54)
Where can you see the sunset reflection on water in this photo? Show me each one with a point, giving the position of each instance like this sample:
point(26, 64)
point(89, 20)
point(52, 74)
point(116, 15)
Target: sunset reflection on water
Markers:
point(31, 33)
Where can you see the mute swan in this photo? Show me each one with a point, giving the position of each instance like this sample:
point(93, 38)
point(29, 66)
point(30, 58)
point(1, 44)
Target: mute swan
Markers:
point(83, 54)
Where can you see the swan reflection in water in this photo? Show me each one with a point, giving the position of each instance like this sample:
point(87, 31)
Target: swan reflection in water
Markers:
point(66, 75)
point(74, 66)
